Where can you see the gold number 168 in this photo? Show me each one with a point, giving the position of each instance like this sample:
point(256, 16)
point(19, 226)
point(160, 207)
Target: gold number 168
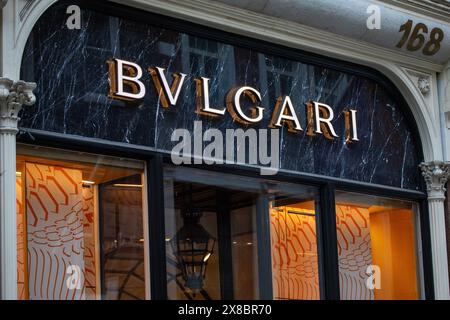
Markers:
point(417, 38)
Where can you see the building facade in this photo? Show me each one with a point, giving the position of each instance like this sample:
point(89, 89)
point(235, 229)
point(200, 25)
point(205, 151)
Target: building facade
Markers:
point(220, 149)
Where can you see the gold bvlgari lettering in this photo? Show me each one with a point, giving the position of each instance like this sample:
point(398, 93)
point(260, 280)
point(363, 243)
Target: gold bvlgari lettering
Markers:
point(202, 95)
point(167, 95)
point(125, 84)
point(118, 80)
point(235, 109)
point(284, 113)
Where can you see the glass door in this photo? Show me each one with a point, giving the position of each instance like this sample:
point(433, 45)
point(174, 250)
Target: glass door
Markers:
point(220, 228)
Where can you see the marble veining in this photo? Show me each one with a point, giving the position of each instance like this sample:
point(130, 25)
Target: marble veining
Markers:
point(70, 69)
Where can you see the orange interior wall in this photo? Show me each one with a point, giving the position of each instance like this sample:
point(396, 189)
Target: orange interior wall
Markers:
point(393, 250)
point(22, 282)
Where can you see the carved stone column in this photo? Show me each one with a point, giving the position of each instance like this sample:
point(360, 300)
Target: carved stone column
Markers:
point(13, 95)
point(436, 174)
point(447, 223)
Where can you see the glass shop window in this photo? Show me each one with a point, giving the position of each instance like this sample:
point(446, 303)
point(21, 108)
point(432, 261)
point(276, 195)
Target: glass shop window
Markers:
point(295, 261)
point(213, 234)
point(378, 248)
point(80, 226)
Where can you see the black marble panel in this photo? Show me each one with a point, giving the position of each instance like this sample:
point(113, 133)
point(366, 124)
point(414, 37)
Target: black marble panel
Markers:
point(70, 69)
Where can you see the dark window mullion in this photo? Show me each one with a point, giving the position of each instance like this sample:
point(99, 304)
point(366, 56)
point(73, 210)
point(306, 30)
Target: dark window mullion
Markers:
point(428, 278)
point(156, 228)
point(327, 242)
point(264, 248)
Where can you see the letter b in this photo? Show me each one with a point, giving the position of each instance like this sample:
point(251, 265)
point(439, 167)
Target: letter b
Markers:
point(118, 80)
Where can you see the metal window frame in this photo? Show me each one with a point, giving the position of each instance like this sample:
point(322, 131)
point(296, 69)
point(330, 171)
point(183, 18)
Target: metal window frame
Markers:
point(326, 222)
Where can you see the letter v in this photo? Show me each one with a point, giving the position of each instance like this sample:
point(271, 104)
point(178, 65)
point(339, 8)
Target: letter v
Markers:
point(168, 96)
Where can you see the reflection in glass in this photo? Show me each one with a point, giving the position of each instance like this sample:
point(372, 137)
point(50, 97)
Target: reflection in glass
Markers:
point(71, 208)
point(244, 253)
point(192, 242)
point(228, 213)
point(122, 239)
point(192, 246)
point(228, 257)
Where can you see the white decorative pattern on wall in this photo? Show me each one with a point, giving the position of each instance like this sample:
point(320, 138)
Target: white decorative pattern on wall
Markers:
point(354, 250)
point(55, 231)
point(294, 255)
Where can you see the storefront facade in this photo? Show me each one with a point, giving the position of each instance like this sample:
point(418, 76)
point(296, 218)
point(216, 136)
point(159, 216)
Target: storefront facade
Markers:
point(198, 150)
